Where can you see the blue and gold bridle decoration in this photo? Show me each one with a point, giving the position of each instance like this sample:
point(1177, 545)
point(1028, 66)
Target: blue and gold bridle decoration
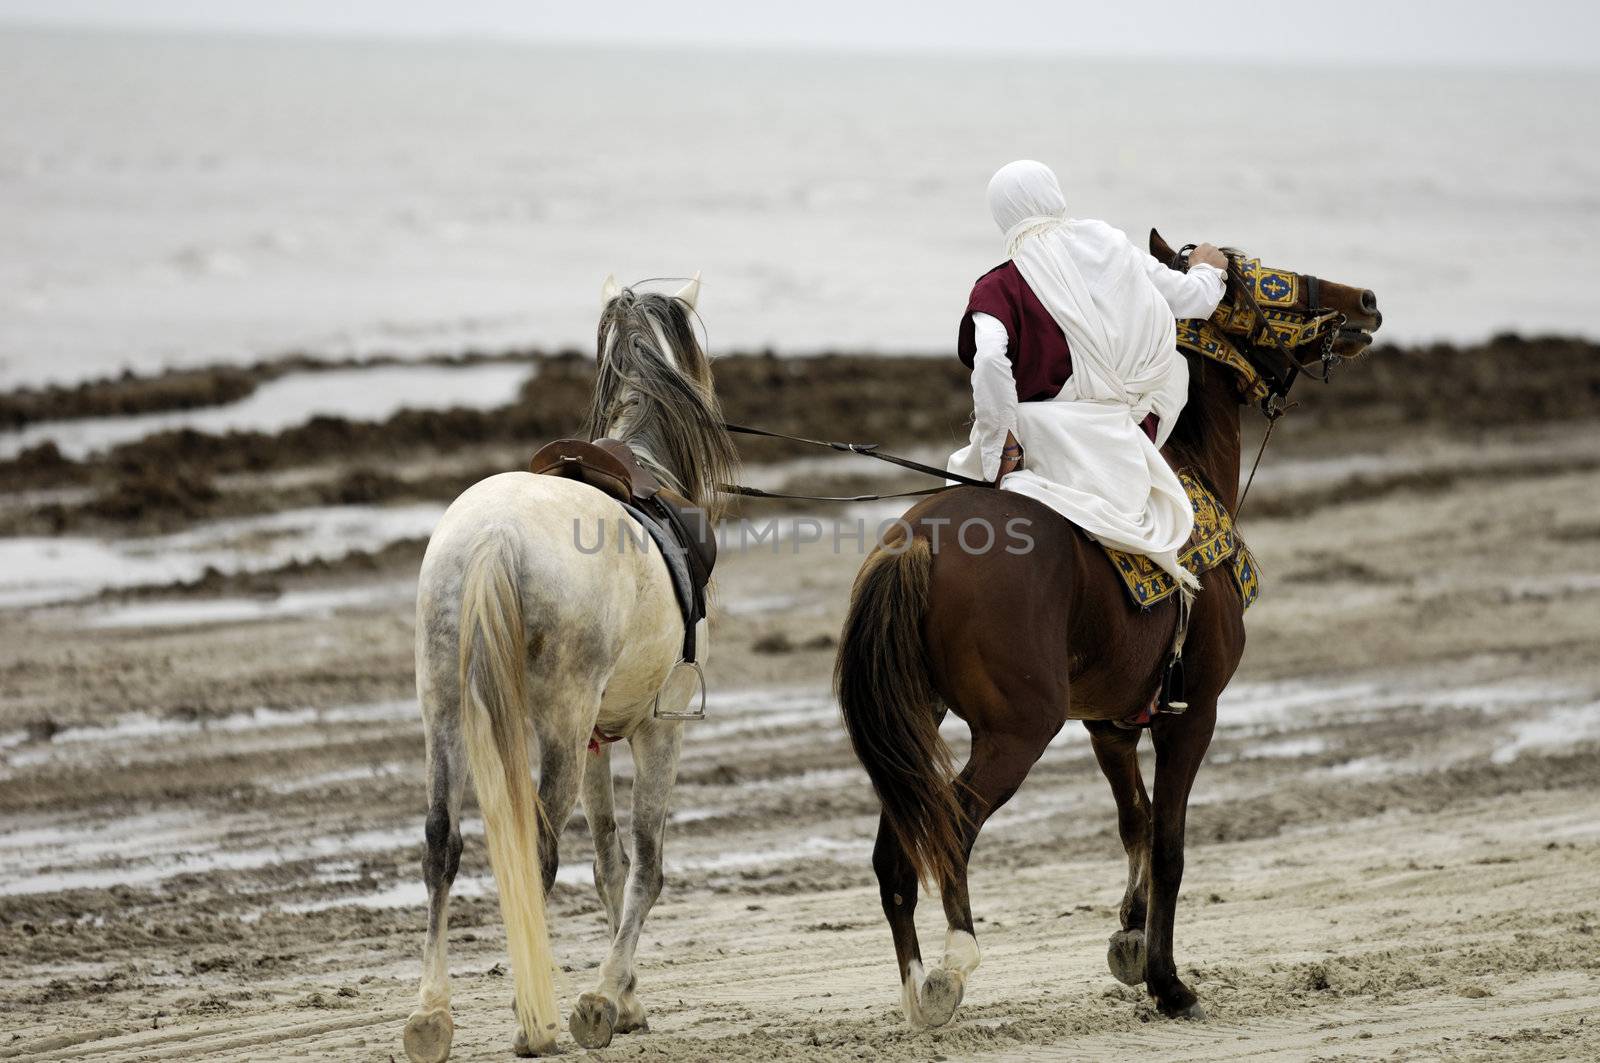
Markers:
point(1272, 312)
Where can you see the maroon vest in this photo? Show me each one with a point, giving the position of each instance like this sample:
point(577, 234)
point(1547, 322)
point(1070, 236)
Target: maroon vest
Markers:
point(1041, 358)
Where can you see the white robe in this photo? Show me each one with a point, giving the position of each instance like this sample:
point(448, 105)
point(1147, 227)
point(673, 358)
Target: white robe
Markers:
point(1086, 456)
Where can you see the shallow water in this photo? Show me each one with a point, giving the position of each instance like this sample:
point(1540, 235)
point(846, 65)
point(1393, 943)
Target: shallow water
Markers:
point(40, 570)
point(1561, 728)
point(147, 858)
point(183, 200)
point(1289, 721)
point(188, 612)
point(372, 394)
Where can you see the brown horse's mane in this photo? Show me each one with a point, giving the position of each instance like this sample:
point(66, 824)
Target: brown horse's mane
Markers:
point(1206, 438)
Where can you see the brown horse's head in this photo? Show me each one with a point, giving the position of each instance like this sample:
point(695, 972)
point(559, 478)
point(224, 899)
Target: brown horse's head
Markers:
point(1310, 315)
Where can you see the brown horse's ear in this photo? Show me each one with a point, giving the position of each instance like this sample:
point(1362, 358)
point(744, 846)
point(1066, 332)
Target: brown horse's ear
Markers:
point(1160, 250)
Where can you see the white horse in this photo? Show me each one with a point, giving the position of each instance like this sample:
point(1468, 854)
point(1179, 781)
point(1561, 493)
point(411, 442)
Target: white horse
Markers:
point(522, 625)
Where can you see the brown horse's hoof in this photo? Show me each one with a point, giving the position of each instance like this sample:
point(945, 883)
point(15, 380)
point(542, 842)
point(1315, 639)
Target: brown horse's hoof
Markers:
point(1125, 956)
point(941, 995)
point(593, 1021)
point(428, 1035)
point(1195, 1012)
point(1177, 1001)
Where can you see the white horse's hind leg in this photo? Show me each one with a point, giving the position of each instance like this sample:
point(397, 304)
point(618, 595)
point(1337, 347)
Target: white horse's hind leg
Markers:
point(429, 1029)
point(613, 1007)
point(560, 773)
point(555, 704)
point(610, 861)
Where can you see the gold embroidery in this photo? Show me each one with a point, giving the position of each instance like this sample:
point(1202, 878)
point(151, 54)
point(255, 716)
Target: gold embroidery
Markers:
point(1234, 322)
point(1213, 541)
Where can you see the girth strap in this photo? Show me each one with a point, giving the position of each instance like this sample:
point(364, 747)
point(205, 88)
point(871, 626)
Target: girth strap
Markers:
point(670, 537)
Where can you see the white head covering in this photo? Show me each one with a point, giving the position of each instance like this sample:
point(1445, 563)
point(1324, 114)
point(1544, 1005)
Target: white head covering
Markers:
point(1098, 468)
point(1025, 195)
point(1093, 283)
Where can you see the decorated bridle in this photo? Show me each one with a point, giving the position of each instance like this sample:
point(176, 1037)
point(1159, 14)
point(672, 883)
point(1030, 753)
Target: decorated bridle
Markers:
point(1274, 311)
point(1272, 307)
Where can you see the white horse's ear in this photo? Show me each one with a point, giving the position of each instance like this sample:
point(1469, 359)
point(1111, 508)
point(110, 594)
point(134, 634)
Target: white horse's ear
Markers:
point(691, 291)
point(609, 290)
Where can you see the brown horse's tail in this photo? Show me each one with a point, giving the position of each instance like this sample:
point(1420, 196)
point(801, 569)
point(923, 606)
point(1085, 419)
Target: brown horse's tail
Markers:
point(890, 707)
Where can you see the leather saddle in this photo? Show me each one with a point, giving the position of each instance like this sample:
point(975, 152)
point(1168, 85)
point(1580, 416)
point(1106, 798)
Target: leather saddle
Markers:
point(685, 535)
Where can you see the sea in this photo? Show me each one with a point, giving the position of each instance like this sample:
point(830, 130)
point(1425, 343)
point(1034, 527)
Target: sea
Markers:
point(172, 200)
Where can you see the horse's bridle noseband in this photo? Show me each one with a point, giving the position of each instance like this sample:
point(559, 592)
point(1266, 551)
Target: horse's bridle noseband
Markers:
point(1280, 373)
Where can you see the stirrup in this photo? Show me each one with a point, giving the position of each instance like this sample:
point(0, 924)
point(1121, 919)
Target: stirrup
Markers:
point(1172, 699)
point(687, 714)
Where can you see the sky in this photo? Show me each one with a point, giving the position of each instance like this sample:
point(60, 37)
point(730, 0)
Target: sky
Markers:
point(1537, 33)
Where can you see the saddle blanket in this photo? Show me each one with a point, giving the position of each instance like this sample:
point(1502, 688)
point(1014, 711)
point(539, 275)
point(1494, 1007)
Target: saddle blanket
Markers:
point(1213, 543)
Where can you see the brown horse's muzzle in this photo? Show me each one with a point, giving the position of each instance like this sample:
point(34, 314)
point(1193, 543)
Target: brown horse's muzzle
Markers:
point(1361, 316)
point(1359, 307)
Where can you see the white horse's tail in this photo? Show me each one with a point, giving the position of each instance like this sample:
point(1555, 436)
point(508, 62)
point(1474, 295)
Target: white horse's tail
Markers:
point(493, 654)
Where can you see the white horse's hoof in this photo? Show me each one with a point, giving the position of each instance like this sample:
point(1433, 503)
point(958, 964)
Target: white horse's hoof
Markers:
point(940, 996)
point(1125, 957)
point(428, 1035)
point(630, 1017)
point(593, 1021)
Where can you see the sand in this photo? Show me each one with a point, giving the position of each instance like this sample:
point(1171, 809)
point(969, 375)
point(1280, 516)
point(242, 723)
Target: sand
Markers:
point(213, 811)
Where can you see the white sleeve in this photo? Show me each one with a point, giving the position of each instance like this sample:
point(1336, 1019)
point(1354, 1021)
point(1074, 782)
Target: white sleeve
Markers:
point(994, 392)
point(1169, 399)
point(1192, 294)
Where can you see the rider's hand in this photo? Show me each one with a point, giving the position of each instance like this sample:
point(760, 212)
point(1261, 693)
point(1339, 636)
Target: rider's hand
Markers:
point(1010, 458)
point(1208, 254)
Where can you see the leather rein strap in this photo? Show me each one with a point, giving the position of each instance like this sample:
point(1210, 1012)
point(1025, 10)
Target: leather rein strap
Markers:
point(1276, 404)
point(1278, 379)
point(869, 450)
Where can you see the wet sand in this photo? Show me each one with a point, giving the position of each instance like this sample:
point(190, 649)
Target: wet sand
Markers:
point(212, 799)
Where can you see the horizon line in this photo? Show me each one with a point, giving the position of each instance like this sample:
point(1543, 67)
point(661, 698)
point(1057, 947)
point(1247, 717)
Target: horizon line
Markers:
point(516, 39)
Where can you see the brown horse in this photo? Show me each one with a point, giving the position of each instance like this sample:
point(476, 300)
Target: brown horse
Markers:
point(1019, 627)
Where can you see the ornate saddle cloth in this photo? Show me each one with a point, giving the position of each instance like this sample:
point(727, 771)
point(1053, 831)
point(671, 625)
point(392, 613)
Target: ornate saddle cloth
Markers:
point(687, 541)
point(1213, 543)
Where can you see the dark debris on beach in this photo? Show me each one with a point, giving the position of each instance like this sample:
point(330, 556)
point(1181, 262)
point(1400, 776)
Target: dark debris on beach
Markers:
point(172, 478)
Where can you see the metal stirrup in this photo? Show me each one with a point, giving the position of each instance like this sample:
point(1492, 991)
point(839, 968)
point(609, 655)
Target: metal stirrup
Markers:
point(1175, 662)
point(686, 714)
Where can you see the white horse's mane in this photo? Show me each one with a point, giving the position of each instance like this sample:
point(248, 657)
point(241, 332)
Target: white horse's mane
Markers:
point(653, 390)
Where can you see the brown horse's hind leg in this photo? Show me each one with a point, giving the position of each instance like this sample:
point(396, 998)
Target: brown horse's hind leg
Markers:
point(1117, 751)
point(992, 774)
point(1181, 743)
point(897, 889)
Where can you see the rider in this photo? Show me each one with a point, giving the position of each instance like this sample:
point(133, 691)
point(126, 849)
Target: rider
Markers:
point(1073, 351)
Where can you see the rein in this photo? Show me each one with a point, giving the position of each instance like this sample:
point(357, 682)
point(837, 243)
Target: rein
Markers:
point(1272, 422)
point(870, 450)
point(1276, 381)
point(1281, 378)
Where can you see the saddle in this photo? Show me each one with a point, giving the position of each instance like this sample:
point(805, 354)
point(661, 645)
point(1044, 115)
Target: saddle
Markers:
point(1214, 542)
point(685, 535)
